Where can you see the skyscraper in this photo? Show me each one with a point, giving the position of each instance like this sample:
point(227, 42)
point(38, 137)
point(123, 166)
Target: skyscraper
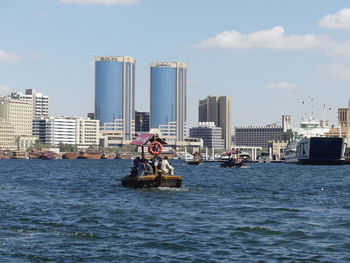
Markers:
point(217, 109)
point(115, 94)
point(141, 121)
point(168, 98)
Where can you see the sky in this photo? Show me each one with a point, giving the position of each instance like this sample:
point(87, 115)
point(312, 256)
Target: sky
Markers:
point(269, 55)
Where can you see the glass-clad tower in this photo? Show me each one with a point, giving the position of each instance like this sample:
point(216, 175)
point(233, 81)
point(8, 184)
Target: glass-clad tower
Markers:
point(168, 98)
point(115, 94)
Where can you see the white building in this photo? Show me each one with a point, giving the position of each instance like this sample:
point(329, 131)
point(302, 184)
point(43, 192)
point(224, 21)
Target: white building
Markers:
point(17, 113)
point(87, 132)
point(82, 132)
point(40, 101)
point(55, 130)
point(210, 134)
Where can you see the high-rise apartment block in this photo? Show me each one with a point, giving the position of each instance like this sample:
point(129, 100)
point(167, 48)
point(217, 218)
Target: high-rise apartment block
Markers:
point(7, 136)
point(115, 94)
point(17, 113)
point(87, 132)
point(141, 121)
point(217, 109)
point(210, 134)
point(39, 101)
point(169, 99)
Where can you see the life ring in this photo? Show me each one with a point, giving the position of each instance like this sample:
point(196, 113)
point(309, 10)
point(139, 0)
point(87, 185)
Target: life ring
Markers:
point(155, 148)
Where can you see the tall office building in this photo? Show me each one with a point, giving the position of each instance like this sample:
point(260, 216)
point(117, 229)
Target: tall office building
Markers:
point(18, 113)
point(40, 102)
point(115, 94)
point(217, 109)
point(169, 99)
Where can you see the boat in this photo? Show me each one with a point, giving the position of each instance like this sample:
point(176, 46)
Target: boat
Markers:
point(109, 155)
point(124, 156)
point(233, 159)
point(151, 180)
point(70, 155)
point(49, 155)
point(310, 146)
point(34, 154)
point(264, 157)
point(90, 154)
point(196, 160)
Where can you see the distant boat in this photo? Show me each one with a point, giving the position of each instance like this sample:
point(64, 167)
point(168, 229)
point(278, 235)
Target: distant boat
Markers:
point(90, 154)
point(109, 155)
point(49, 155)
point(70, 155)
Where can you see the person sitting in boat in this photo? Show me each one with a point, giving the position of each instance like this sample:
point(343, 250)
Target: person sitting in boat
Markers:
point(166, 167)
point(148, 167)
point(155, 163)
point(231, 160)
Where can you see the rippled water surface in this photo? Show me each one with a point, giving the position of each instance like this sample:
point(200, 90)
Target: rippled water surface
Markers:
point(77, 211)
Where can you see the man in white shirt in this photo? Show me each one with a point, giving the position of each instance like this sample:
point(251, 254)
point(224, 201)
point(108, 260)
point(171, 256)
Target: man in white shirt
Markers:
point(166, 167)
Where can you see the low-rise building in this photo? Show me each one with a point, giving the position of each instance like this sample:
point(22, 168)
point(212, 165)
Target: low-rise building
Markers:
point(210, 134)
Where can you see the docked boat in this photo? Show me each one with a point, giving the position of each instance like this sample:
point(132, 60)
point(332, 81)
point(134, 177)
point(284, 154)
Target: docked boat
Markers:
point(109, 155)
point(310, 146)
point(90, 154)
point(34, 155)
point(49, 155)
point(124, 156)
point(70, 155)
point(154, 180)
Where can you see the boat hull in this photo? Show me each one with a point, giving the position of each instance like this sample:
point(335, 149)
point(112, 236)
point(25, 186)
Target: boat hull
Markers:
point(321, 150)
point(194, 162)
point(152, 181)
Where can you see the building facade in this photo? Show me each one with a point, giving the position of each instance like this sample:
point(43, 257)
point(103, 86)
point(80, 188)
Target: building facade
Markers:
point(257, 136)
point(169, 99)
point(210, 134)
point(55, 130)
point(18, 113)
point(87, 132)
point(217, 109)
point(7, 136)
point(39, 101)
point(343, 117)
point(115, 94)
point(141, 121)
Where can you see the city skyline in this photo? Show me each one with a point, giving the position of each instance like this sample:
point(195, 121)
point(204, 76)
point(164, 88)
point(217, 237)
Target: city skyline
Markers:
point(268, 65)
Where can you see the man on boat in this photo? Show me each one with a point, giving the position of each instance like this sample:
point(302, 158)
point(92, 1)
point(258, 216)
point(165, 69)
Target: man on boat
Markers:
point(166, 167)
point(148, 167)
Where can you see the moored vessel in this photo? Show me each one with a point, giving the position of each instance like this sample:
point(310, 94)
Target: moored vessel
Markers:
point(70, 155)
point(90, 154)
point(109, 155)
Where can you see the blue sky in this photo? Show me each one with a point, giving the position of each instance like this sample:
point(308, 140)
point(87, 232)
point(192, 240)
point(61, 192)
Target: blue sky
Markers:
point(269, 55)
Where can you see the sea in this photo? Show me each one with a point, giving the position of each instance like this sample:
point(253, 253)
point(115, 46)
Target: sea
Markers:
point(77, 211)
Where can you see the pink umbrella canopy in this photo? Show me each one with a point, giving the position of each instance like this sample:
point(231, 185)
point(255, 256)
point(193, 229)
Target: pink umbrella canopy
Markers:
point(233, 151)
point(144, 138)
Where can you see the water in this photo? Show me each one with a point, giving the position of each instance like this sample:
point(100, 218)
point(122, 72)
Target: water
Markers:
point(77, 211)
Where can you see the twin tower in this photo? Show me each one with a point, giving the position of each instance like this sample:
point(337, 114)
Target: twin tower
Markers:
point(115, 96)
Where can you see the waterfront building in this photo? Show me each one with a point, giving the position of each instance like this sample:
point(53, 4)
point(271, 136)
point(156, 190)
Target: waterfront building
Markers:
point(287, 123)
point(39, 101)
point(141, 121)
point(7, 135)
point(87, 132)
point(115, 94)
point(169, 99)
point(210, 134)
point(18, 113)
point(343, 117)
point(217, 109)
point(55, 130)
point(257, 136)
point(24, 142)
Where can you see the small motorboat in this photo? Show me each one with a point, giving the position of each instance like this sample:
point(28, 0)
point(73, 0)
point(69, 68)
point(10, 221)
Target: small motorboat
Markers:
point(233, 160)
point(150, 180)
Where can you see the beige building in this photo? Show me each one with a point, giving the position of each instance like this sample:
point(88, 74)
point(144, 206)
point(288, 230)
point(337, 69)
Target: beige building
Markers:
point(39, 101)
point(25, 142)
point(87, 132)
point(343, 117)
point(7, 136)
point(18, 113)
point(217, 109)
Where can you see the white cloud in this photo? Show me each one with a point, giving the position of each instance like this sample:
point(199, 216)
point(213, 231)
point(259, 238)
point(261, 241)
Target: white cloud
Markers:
point(5, 90)
point(100, 2)
point(273, 38)
point(8, 57)
point(282, 86)
point(339, 20)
